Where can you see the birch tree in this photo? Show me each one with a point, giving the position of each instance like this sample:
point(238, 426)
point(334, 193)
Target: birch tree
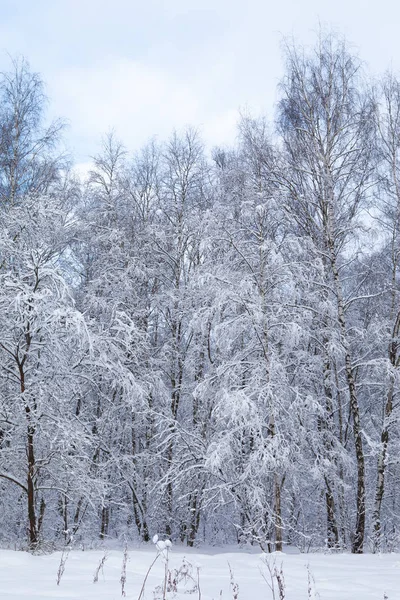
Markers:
point(325, 120)
point(28, 162)
point(388, 128)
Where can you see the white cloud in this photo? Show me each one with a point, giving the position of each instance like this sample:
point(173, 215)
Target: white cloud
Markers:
point(146, 68)
point(125, 95)
point(221, 129)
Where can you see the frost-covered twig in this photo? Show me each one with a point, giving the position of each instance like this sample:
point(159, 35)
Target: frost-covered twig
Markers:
point(198, 582)
point(100, 567)
point(166, 570)
point(275, 575)
point(311, 591)
point(146, 576)
point(123, 571)
point(234, 585)
point(61, 566)
point(162, 550)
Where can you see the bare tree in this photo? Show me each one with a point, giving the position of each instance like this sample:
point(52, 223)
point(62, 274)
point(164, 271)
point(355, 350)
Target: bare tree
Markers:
point(325, 121)
point(27, 160)
point(388, 128)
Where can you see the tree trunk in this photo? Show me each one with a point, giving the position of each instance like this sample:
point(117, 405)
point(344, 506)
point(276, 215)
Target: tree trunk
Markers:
point(33, 530)
point(278, 517)
point(358, 540)
point(332, 529)
point(381, 463)
point(30, 452)
point(105, 519)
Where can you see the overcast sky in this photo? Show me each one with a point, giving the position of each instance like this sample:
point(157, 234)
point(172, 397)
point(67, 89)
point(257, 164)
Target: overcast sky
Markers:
point(145, 67)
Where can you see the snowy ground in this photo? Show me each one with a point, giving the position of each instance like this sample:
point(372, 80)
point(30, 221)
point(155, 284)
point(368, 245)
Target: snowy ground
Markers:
point(337, 577)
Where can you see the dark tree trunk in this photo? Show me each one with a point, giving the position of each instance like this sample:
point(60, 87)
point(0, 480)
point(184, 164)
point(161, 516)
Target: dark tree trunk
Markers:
point(332, 529)
point(105, 519)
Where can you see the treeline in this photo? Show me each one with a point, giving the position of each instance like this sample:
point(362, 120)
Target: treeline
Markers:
point(206, 347)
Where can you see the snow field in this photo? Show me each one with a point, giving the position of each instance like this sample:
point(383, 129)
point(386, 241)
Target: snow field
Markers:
point(337, 577)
